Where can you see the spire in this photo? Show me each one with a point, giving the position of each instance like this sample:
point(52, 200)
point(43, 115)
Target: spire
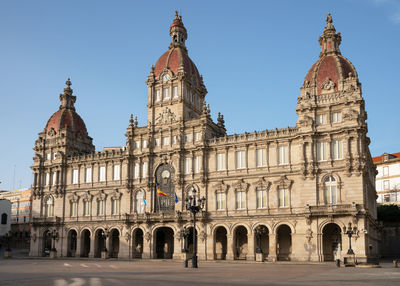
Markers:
point(177, 31)
point(329, 40)
point(67, 99)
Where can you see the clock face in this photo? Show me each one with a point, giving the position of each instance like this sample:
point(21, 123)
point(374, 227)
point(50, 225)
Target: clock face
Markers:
point(165, 174)
point(165, 77)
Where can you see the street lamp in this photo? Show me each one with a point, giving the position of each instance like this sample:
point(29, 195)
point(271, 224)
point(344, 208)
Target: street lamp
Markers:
point(54, 236)
point(350, 231)
point(185, 235)
point(104, 234)
point(260, 231)
point(194, 206)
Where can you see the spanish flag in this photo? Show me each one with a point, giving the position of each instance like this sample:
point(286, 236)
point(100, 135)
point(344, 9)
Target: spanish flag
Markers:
point(161, 193)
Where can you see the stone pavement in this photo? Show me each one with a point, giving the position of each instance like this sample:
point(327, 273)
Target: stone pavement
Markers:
point(63, 272)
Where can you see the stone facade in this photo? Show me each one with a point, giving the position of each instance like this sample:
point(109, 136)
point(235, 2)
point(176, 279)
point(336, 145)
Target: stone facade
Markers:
point(302, 183)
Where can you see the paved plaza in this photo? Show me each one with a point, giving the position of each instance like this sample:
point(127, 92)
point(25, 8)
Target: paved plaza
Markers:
point(62, 272)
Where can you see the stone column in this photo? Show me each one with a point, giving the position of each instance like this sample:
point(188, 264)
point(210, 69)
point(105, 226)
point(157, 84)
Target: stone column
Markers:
point(147, 245)
point(272, 247)
point(229, 247)
point(78, 246)
point(202, 245)
point(177, 255)
point(92, 239)
point(124, 241)
point(250, 247)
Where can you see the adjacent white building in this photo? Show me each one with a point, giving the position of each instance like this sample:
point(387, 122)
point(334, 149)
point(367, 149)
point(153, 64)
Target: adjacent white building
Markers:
point(5, 217)
point(388, 178)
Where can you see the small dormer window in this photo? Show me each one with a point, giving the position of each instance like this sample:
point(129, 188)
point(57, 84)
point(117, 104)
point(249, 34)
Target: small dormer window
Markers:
point(385, 157)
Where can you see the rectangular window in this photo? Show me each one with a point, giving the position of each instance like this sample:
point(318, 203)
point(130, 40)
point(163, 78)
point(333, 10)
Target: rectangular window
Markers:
point(261, 157)
point(54, 155)
point(283, 155)
point(336, 117)
point(188, 138)
point(165, 141)
point(321, 119)
point(136, 145)
point(144, 143)
point(197, 161)
point(75, 176)
point(73, 208)
point(240, 159)
point(158, 95)
point(88, 175)
point(322, 151)
point(136, 171)
point(330, 191)
point(47, 179)
point(144, 169)
point(102, 176)
point(54, 178)
point(240, 200)
point(48, 156)
point(283, 197)
point(386, 185)
point(221, 162)
point(221, 201)
point(116, 172)
point(337, 150)
point(100, 207)
point(386, 171)
point(175, 92)
point(166, 93)
point(115, 207)
point(188, 165)
point(86, 208)
point(174, 139)
point(261, 199)
point(157, 142)
point(197, 136)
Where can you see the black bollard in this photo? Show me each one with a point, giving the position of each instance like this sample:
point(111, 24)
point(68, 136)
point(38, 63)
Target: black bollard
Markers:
point(337, 262)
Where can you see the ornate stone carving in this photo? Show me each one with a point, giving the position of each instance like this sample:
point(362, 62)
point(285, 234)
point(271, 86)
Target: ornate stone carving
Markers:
point(309, 234)
point(166, 117)
point(328, 84)
point(147, 236)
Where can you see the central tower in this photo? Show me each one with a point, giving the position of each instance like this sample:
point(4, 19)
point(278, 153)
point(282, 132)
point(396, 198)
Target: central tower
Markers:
point(176, 90)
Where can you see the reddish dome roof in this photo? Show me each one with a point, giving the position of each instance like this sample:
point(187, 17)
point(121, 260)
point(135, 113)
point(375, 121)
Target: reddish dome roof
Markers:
point(332, 67)
point(173, 59)
point(66, 118)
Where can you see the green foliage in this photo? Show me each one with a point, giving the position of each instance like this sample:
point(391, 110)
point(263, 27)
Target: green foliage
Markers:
point(389, 213)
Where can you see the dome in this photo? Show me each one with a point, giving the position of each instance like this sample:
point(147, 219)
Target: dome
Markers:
point(66, 116)
point(174, 58)
point(332, 69)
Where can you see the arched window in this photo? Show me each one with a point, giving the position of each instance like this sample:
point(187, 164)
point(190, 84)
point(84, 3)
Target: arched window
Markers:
point(49, 207)
point(4, 218)
point(330, 190)
point(139, 202)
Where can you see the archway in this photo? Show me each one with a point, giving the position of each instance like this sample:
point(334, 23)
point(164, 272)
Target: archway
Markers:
point(47, 243)
point(114, 243)
point(85, 243)
point(331, 241)
point(240, 238)
point(72, 242)
point(137, 243)
point(220, 243)
point(99, 243)
point(261, 240)
point(284, 242)
point(164, 243)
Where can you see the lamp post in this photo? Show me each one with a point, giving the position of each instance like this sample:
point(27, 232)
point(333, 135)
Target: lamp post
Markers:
point(194, 205)
point(104, 234)
point(260, 231)
point(350, 231)
point(185, 235)
point(54, 236)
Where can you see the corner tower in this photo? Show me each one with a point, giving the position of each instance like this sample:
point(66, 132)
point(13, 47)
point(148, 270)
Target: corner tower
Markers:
point(175, 87)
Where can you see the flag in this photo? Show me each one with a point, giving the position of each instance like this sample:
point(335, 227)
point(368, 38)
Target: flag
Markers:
point(144, 201)
point(176, 199)
point(161, 193)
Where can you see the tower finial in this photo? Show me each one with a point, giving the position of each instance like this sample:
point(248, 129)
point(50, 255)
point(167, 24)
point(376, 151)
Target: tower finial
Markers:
point(67, 99)
point(177, 31)
point(131, 120)
point(329, 19)
point(329, 40)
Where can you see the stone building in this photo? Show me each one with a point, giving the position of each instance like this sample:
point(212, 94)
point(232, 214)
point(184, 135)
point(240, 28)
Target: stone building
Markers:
point(388, 178)
point(302, 183)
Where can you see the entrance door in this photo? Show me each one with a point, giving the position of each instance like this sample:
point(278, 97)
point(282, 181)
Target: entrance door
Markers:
point(164, 243)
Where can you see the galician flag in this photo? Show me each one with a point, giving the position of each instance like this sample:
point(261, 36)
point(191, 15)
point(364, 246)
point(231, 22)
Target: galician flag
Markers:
point(161, 193)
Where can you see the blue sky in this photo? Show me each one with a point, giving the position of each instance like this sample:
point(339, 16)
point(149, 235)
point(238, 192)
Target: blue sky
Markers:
point(253, 56)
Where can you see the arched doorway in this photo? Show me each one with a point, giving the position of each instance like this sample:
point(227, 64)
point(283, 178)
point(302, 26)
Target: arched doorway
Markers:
point(164, 243)
point(220, 243)
point(261, 242)
point(240, 238)
point(284, 242)
point(137, 243)
point(85, 243)
point(99, 243)
point(47, 243)
point(72, 242)
point(114, 243)
point(331, 241)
